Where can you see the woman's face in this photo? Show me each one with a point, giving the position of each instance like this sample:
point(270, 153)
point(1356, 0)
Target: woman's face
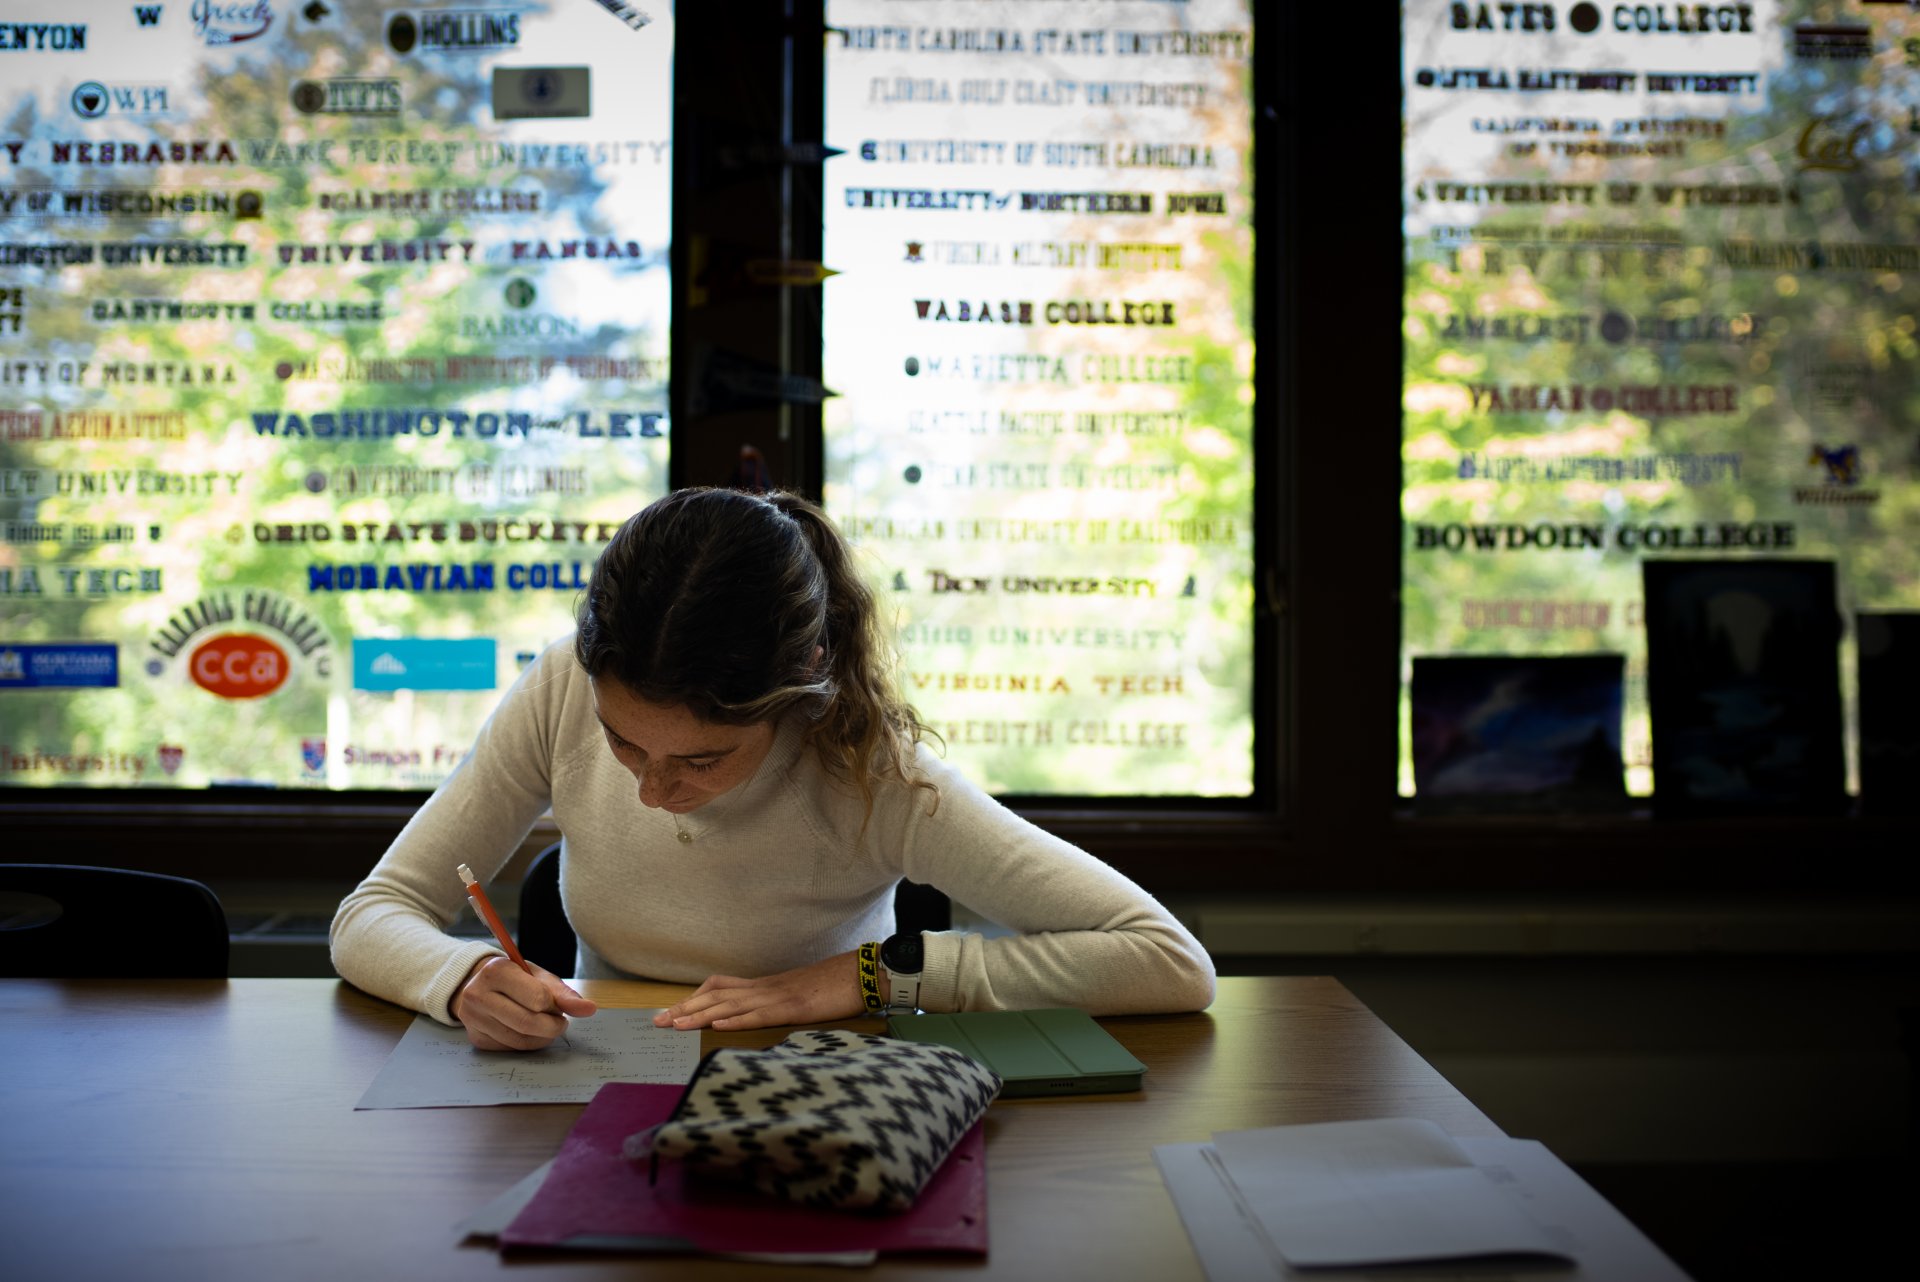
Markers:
point(682, 762)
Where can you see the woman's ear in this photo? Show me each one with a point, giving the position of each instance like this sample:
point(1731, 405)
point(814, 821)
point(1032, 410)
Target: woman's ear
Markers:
point(819, 653)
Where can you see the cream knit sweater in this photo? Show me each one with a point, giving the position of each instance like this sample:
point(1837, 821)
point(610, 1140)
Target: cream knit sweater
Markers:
point(778, 875)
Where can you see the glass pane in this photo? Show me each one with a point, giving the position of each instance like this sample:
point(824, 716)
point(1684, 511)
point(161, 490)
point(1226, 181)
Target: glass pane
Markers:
point(1661, 296)
point(1041, 342)
point(335, 348)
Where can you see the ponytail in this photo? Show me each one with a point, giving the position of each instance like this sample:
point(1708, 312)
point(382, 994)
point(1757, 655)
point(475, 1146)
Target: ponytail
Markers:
point(867, 731)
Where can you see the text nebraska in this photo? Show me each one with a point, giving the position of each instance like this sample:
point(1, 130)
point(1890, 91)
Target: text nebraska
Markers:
point(73, 152)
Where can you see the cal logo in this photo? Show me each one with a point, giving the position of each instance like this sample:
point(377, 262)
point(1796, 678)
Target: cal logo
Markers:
point(239, 665)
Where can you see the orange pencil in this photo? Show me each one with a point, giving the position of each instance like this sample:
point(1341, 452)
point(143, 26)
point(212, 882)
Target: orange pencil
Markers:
point(478, 898)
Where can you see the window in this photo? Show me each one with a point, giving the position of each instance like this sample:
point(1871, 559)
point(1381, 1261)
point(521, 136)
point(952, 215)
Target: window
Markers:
point(1040, 342)
point(336, 347)
point(1660, 303)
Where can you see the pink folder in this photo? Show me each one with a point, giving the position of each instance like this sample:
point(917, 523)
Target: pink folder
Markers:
point(595, 1199)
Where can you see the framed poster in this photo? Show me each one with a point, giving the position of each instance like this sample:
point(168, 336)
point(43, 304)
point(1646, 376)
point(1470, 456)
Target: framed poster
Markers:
point(1518, 733)
point(1743, 664)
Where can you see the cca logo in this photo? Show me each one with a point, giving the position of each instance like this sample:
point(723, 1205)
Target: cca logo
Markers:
point(236, 665)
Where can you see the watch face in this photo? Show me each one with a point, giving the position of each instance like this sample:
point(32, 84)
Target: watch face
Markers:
point(903, 954)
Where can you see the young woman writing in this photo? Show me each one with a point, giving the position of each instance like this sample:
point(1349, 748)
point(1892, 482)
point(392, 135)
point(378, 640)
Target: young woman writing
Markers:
point(739, 786)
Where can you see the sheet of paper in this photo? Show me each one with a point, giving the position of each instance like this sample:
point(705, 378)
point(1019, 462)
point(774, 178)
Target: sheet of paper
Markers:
point(497, 1214)
point(1373, 1192)
point(1224, 1234)
point(435, 1066)
point(1604, 1242)
point(1232, 1247)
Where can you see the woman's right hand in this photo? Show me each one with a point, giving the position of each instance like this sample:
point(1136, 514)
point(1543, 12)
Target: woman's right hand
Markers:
point(506, 1009)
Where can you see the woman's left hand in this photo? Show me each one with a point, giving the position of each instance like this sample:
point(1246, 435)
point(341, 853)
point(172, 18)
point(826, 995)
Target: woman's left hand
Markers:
point(828, 989)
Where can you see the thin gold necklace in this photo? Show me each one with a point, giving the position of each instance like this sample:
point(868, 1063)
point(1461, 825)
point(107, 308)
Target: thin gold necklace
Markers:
point(684, 836)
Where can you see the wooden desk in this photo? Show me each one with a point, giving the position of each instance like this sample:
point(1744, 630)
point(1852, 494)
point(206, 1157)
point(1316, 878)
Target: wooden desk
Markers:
point(204, 1130)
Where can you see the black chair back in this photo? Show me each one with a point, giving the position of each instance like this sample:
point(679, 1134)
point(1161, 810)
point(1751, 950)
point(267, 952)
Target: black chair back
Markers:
point(546, 938)
point(918, 907)
point(68, 921)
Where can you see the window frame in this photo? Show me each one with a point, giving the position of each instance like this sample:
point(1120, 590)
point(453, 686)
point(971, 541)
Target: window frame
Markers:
point(1326, 818)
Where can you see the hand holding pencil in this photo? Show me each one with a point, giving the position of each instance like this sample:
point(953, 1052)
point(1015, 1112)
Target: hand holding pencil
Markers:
point(508, 1003)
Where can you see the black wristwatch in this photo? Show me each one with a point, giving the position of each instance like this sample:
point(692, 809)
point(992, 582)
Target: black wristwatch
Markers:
point(903, 957)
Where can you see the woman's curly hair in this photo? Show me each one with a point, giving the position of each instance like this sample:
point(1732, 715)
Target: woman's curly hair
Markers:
point(747, 608)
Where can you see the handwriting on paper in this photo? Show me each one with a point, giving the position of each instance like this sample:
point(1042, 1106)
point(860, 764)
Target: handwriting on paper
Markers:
point(435, 1066)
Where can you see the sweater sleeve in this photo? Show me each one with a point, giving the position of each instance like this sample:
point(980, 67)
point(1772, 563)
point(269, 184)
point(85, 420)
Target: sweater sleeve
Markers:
point(389, 935)
point(1086, 936)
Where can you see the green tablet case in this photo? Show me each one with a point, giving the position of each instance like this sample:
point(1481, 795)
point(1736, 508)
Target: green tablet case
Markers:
point(1036, 1052)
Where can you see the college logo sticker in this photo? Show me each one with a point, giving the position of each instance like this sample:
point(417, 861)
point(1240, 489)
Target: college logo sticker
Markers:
point(65, 666)
point(453, 31)
point(238, 665)
point(171, 755)
point(90, 100)
point(233, 664)
point(229, 22)
point(93, 99)
point(313, 755)
point(418, 663)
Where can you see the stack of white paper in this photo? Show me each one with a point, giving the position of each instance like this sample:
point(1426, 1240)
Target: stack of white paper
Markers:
point(1397, 1193)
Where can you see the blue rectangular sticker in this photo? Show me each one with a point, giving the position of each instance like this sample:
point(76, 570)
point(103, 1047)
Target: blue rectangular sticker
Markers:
point(58, 666)
point(416, 663)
